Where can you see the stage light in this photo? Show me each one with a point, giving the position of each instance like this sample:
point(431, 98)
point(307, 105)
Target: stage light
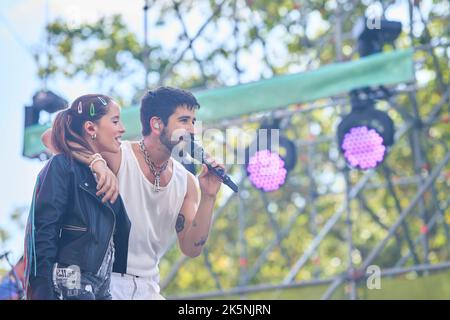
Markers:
point(372, 34)
point(48, 101)
point(31, 116)
point(266, 170)
point(43, 100)
point(268, 166)
point(365, 134)
point(363, 147)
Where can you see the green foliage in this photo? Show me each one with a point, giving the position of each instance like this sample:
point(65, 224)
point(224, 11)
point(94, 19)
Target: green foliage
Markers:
point(4, 235)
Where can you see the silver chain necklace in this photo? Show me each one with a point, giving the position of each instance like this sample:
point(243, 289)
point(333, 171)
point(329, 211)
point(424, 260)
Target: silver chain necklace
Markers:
point(152, 167)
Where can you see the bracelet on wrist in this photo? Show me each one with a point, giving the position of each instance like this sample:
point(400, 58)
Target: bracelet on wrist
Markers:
point(97, 157)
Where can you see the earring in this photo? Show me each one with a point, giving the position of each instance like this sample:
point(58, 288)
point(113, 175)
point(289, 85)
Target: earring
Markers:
point(94, 136)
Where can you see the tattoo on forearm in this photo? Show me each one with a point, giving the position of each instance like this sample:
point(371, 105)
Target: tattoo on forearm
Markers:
point(194, 224)
point(179, 226)
point(201, 242)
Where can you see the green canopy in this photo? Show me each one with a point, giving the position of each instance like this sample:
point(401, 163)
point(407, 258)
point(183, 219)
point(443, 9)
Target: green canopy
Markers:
point(280, 91)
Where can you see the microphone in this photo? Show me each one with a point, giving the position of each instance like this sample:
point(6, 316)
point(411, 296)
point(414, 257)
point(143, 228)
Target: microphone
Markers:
point(197, 152)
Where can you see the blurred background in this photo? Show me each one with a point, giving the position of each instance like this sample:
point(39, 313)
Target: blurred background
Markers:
point(355, 203)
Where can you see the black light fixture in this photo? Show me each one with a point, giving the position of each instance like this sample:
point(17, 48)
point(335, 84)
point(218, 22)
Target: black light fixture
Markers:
point(372, 34)
point(365, 133)
point(42, 101)
point(46, 101)
point(267, 167)
point(31, 116)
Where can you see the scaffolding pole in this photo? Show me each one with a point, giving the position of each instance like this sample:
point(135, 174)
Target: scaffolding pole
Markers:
point(376, 251)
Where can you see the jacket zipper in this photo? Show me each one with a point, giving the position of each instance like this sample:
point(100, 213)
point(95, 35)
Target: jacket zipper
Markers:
point(73, 228)
point(114, 223)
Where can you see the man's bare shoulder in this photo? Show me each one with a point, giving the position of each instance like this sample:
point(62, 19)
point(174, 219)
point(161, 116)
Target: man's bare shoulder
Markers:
point(114, 159)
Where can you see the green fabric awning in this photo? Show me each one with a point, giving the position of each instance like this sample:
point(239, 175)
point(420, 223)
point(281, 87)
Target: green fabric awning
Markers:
point(385, 68)
point(280, 91)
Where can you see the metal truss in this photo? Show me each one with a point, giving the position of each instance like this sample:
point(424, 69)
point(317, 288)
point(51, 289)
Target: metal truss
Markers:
point(431, 212)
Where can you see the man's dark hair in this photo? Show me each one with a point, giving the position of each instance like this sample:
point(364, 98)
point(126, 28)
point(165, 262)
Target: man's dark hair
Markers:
point(162, 103)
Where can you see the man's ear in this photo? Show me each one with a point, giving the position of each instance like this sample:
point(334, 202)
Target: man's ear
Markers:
point(156, 125)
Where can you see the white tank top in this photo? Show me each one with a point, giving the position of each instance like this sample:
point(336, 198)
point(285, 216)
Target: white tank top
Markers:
point(152, 214)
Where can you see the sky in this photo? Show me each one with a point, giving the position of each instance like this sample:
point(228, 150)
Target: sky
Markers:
point(22, 25)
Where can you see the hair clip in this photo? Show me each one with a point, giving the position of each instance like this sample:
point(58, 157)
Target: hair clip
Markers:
point(80, 108)
point(92, 110)
point(102, 101)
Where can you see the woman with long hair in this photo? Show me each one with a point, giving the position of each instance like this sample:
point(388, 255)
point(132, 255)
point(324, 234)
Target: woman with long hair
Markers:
point(74, 239)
